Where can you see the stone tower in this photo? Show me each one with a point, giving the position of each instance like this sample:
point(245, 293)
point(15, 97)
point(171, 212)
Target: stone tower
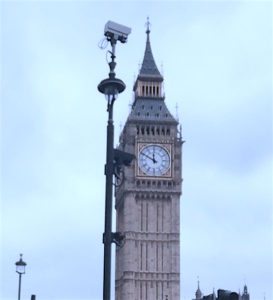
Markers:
point(148, 197)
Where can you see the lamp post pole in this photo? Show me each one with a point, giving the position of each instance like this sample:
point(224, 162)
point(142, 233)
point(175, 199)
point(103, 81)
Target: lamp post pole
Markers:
point(19, 289)
point(108, 203)
point(110, 87)
point(20, 269)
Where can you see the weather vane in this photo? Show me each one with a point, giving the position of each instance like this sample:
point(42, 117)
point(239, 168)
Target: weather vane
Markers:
point(148, 24)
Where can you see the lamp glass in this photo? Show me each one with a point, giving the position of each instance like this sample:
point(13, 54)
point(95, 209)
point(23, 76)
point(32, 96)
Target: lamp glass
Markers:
point(110, 97)
point(20, 269)
point(111, 93)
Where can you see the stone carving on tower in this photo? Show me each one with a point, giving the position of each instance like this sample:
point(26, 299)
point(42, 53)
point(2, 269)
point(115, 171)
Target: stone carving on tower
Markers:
point(147, 198)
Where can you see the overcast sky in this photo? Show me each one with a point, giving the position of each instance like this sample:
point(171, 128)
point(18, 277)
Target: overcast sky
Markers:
point(216, 58)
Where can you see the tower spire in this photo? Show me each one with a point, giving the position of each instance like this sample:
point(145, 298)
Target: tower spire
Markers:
point(149, 68)
point(198, 293)
point(213, 294)
point(245, 295)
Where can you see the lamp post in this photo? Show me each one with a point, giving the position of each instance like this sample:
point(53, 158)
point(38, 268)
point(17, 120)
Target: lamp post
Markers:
point(110, 87)
point(20, 269)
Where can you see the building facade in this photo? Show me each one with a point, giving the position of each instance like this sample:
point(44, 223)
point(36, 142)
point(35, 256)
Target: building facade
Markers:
point(147, 200)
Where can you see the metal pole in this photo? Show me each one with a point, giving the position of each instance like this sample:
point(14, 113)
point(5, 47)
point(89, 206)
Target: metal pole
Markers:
point(107, 237)
point(19, 289)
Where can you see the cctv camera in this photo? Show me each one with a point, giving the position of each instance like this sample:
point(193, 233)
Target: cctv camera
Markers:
point(116, 31)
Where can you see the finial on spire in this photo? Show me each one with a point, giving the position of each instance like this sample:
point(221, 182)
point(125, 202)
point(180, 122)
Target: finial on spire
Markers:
point(148, 24)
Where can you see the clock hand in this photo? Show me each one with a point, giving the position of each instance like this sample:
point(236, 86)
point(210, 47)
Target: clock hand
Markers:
point(147, 156)
point(154, 161)
point(151, 158)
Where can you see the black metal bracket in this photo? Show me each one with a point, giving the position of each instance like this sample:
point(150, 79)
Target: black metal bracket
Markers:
point(119, 176)
point(118, 238)
point(121, 158)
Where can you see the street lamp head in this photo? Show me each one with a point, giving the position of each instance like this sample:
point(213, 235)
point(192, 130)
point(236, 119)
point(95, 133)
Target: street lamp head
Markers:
point(111, 87)
point(20, 265)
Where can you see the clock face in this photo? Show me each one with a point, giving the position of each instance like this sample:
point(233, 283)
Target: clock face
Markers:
point(154, 160)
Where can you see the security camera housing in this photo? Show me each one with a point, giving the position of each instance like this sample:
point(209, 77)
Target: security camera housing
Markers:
point(116, 31)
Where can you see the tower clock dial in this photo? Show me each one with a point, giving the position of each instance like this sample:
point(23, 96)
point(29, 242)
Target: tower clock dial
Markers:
point(154, 160)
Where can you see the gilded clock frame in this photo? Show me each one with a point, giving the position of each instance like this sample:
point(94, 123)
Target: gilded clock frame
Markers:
point(168, 147)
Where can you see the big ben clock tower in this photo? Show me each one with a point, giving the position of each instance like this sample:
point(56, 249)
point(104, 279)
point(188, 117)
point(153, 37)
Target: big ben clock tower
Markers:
point(148, 197)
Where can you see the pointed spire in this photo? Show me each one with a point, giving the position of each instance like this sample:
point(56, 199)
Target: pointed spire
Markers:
point(198, 293)
point(149, 67)
point(245, 289)
point(213, 294)
point(176, 112)
point(245, 295)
